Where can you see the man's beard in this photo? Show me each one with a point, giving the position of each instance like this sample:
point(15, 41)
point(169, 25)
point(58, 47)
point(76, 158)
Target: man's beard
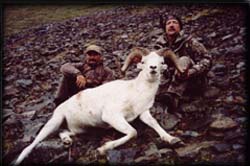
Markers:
point(93, 63)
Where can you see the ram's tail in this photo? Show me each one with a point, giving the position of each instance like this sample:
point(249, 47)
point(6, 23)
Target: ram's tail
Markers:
point(52, 125)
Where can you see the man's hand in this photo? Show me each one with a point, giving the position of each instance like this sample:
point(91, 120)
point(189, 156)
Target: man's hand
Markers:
point(186, 75)
point(182, 76)
point(81, 81)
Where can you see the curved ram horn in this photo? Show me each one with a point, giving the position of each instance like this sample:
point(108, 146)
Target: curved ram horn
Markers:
point(135, 52)
point(166, 52)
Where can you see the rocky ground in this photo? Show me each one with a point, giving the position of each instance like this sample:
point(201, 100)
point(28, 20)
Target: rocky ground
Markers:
point(212, 125)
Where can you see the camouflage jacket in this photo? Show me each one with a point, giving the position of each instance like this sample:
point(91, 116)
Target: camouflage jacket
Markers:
point(95, 76)
point(188, 46)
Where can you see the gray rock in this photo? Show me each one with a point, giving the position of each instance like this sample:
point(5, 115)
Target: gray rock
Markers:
point(165, 151)
point(13, 126)
point(152, 150)
point(13, 120)
point(235, 74)
point(151, 154)
point(170, 121)
point(222, 147)
point(114, 156)
point(227, 37)
point(142, 159)
point(242, 30)
point(211, 74)
point(10, 77)
point(51, 150)
point(10, 91)
point(241, 119)
point(215, 52)
point(212, 92)
point(58, 157)
point(189, 133)
point(189, 108)
point(225, 157)
point(233, 135)
point(218, 68)
point(37, 106)
point(121, 156)
point(100, 25)
point(242, 139)
point(106, 34)
point(241, 158)
point(238, 147)
point(52, 143)
point(217, 134)
point(239, 100)
point(222, 82)
point(212, 35)
point(159, 109)
point(7, 113)
point(155, 33)
point(28, 114)
point(223, 123)
point(191, 150)
point(240, 65)
point(229, 99)
point(31, 131)
point(118, 53)
point(124, 36)
point(24, 82)
point(238, 49)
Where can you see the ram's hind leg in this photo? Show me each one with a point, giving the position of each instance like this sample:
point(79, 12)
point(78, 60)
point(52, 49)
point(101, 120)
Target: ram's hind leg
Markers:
point(122, 126)
point(51, 126)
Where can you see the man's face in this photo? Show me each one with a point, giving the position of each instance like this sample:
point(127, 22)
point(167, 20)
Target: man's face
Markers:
point(93, 58)
point(172, 27)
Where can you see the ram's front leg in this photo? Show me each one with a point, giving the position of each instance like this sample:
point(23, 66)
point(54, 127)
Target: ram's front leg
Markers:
point(147, 118)
point(121, 125)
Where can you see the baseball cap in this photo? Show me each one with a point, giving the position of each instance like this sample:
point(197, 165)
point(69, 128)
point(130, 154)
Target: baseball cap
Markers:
point(94, 48)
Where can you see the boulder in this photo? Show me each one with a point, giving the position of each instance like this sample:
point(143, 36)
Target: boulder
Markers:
point(191, 150)
point(223, 123)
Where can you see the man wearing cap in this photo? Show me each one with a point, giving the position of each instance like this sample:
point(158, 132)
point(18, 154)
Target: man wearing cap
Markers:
point(82, 75)
point(193, 55)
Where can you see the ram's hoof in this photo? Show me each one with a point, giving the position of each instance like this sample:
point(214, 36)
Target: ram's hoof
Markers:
point(67, 142)
point(101, 151)
point(176, 142)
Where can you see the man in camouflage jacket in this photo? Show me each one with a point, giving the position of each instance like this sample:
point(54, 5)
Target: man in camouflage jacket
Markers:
point(193, 55)
point(82, 75)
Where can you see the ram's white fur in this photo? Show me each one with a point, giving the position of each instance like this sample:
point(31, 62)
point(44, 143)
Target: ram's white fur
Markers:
point(113, 104)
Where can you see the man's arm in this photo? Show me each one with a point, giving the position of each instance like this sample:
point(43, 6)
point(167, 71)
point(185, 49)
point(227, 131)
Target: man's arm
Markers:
point(202, 58)
point(105, 75)
point(71, 69)
point(109, 75)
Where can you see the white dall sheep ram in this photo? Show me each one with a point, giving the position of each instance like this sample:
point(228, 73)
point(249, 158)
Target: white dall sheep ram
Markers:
point(113, 104)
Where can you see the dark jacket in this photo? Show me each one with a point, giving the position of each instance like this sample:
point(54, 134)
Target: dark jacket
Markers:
point(186, 45)
point(95, 76)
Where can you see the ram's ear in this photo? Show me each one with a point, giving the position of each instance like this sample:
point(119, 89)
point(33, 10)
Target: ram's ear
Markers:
point(164, 66)
point(140, 65)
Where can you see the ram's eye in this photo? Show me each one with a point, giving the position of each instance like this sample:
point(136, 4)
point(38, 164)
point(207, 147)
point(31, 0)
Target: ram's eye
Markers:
point(142, 62)
point(162, 63)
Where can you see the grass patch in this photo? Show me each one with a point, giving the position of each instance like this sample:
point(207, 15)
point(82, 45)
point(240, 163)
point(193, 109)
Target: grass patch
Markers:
point(18, 18)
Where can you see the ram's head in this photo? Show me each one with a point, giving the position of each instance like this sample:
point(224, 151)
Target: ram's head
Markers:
point(136, 55)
